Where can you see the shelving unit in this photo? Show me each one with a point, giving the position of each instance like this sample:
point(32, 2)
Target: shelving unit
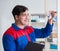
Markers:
point(38, 23)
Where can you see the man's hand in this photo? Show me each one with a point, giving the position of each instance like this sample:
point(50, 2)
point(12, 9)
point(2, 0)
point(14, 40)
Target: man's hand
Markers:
point(53, 14)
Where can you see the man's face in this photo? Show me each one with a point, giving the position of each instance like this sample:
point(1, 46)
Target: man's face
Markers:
point(23, 18)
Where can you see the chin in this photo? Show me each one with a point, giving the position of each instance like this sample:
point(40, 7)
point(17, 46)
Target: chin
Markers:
point(24, 23)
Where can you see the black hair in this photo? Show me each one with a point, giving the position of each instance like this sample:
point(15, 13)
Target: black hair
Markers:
point(18, 9)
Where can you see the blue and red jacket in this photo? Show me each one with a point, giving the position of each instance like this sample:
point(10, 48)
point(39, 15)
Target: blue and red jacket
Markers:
point(16, 39)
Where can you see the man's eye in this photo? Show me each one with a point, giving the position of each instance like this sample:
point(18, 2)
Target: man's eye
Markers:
point(25, 15)
point(28, 14)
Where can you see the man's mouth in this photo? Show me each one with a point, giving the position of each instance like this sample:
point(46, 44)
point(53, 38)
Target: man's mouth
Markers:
point(26, 20)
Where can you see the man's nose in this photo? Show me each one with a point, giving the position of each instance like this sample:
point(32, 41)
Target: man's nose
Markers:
point(27, 16)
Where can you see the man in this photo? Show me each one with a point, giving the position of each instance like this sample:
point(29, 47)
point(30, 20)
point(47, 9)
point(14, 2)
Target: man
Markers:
point(19, 34)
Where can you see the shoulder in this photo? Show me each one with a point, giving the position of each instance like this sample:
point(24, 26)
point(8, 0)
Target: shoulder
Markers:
point(9, 31)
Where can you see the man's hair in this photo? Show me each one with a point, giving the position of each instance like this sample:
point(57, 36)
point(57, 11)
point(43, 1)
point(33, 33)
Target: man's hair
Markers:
point(18, 9)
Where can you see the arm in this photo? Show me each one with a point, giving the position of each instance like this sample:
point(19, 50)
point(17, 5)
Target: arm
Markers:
point(43, 32)
point(8, 43)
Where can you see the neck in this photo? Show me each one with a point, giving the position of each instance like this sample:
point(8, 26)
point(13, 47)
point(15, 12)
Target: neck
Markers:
point(20, 25)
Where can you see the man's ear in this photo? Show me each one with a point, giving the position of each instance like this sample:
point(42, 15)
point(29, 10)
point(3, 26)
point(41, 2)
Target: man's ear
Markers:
point(16, 17)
